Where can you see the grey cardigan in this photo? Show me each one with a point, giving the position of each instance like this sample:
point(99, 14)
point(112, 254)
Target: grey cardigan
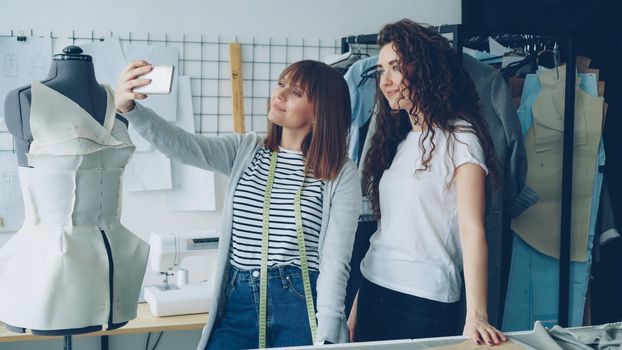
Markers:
point(231, 155)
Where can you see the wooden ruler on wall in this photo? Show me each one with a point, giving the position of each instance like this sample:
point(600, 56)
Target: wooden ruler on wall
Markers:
point(237, 87)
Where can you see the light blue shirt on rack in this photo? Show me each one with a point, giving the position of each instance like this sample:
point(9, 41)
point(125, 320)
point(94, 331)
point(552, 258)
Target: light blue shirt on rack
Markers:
point(361, 100)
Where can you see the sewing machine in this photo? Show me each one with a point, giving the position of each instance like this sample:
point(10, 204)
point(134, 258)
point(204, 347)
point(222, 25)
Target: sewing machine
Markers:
point(168, 250)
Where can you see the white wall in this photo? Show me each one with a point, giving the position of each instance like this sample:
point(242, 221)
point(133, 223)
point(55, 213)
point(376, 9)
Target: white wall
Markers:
point(294, 18)
point(319, 19)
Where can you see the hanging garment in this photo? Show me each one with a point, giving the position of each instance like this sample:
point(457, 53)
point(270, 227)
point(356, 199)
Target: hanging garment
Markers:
point(533, 289)
point(606, 227)
point(539, 226)
point(533, 286)
point(72, 264)
point(362, 89)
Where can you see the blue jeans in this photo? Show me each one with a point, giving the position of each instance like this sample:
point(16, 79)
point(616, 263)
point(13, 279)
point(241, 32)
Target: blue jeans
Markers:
point(287, 323)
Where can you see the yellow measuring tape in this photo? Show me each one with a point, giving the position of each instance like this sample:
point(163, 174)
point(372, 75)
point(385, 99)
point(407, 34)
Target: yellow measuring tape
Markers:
point(263, 279)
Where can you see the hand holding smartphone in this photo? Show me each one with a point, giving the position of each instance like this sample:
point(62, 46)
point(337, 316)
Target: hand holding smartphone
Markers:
point(161, 81)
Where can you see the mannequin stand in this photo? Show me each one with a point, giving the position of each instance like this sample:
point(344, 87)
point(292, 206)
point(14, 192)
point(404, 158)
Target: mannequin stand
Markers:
point(67, 342)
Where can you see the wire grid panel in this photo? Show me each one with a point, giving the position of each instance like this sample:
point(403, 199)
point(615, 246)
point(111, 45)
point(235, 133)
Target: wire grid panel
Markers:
point(205, 59)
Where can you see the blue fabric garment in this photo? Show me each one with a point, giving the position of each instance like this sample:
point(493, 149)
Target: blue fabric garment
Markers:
point(533, 286)
point(361, 100)
point(533, 292)
point(287, 323)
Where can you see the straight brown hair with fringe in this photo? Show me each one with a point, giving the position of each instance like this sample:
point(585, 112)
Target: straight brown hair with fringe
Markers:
point(325, 147)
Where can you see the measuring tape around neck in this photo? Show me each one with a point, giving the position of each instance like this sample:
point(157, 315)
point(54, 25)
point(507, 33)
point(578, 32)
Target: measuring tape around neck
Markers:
point(263, 279)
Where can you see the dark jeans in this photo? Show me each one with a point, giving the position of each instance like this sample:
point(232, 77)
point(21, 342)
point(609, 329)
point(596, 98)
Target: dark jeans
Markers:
point(384, 314)
point(287, 323)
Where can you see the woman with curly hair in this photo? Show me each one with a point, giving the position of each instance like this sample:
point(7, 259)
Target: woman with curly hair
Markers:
point(424, 174)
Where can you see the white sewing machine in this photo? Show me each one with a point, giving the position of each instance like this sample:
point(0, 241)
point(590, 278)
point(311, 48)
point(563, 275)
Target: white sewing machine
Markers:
point(168, 250)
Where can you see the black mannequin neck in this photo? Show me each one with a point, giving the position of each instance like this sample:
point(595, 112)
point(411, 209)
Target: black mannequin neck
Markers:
point(76, 72)
point(76, 80)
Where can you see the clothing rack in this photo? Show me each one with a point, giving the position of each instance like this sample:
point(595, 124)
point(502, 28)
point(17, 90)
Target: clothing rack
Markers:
point(463, 35)
point(364, 39)
point(476, 37)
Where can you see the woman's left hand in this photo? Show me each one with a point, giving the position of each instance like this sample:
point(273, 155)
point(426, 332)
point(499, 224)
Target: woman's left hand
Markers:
point(481, 332)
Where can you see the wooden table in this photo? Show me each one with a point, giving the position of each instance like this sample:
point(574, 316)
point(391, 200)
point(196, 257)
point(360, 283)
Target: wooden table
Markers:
point(144, 322)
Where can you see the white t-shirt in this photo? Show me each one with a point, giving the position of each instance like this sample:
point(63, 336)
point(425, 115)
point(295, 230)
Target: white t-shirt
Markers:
point(416, 249)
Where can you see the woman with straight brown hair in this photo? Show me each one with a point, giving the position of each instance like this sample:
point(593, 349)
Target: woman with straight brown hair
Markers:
point(288, 211)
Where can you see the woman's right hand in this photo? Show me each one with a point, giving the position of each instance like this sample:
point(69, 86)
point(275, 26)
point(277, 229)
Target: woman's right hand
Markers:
point(124, 95)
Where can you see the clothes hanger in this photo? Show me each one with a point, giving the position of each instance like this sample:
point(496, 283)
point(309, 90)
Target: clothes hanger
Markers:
point(368, 73)
point(347, 59)
point(555, 56)
point(358, 54)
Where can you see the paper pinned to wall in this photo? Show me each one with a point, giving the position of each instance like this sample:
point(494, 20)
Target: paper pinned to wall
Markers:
point(196, 191)
point(108, 59)
point(193, 187)
point(156, 54)
point(141, 144)
point(147, 171)
point(21, 62)
point(11, 203)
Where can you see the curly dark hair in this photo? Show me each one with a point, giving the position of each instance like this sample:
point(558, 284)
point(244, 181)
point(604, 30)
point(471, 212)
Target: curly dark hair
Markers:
point(442, 93)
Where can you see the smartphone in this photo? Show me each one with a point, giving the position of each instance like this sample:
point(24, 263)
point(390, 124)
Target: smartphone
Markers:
point(161, 81)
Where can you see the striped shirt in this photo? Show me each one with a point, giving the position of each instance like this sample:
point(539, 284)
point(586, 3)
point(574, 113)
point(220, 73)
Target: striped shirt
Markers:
point(245, 252)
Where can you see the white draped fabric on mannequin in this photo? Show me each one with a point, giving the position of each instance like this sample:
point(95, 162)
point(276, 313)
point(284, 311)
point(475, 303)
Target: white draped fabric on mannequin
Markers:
point(72, 264)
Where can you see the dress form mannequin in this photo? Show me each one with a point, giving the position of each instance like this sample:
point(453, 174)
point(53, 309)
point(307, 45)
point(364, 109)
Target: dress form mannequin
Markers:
point(72, 75)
